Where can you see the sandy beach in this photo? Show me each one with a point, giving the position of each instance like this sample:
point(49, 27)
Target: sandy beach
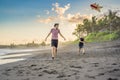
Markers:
point(101, 62)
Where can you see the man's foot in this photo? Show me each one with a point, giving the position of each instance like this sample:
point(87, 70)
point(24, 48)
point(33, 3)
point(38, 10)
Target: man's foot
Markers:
point(53, 58)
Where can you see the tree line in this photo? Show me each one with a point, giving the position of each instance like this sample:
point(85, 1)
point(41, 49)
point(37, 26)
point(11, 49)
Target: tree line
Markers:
point(30, 44)
point(109, 22)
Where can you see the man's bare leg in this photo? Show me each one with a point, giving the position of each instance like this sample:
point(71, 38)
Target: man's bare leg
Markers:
point(56, 51)
point(53, 53)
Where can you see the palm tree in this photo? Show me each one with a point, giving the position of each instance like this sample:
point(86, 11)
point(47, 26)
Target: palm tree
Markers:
point(102, 23)
point(111, 17)
point(93, 22)
point(78, 30)
point(87, 25)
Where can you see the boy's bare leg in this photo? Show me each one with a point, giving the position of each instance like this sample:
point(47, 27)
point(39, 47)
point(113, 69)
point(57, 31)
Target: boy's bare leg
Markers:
point(79, 51)
point(83, 50)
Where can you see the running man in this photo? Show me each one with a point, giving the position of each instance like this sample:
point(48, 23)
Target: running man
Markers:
point(54, 39)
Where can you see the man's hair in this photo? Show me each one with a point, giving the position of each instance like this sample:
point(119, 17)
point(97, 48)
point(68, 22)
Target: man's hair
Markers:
point(56, 24)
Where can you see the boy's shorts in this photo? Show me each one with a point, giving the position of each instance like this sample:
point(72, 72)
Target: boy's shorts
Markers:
point(54, 43)
point(81, 45)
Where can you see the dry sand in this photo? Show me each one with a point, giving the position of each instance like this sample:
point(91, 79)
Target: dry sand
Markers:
point(101, 62)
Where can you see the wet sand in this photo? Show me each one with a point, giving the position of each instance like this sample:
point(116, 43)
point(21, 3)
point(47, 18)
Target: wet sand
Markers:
point(101, 62)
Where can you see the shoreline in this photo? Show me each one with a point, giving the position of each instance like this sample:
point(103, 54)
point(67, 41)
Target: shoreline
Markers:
point(18, 56)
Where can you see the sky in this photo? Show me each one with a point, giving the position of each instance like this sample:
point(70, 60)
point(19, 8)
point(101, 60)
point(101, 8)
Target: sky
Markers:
point(23, 21)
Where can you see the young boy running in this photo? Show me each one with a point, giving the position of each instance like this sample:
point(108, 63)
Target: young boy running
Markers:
point(81, 45)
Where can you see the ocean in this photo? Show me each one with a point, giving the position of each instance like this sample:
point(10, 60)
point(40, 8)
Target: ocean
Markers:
point(4, 51)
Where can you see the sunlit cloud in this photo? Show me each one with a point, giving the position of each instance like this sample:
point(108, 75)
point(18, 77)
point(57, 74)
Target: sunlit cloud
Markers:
point(60, 10)
point(77, 18)
point(48, 20)
point(61, 16)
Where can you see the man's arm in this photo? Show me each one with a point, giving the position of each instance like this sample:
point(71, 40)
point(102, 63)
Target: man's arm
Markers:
point(62, 36)
point(47, 36)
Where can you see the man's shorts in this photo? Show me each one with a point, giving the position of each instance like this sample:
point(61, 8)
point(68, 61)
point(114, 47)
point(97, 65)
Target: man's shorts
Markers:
point(54, 43)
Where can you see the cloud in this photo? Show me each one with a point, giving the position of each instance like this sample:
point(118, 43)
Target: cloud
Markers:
point(61, 16)
point(71, 18)
point(60, 10)
point(47, 12)
point(60, 13)
point(77, 18)
point(48, 20)
point(38, 16)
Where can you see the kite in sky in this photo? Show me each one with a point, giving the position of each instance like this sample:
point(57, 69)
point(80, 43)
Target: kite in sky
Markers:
point(96, 7)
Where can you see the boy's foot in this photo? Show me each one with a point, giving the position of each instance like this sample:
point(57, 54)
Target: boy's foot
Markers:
point(83, 53)
point(79, 53)
point(53, 58)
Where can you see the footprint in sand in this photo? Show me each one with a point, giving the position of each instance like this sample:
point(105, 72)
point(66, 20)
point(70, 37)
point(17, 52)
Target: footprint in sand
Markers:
point(20, 73)
point(50, 71)
point(100, 68)
point(6, 74)
point(40, 74)
point(88, 76)
point(114, 70)
point(112, 79)
point(89, 70)
point(61, 75)
point(95, 64)
point(84, 61)
point(72, 66)
point(28, 72)
point(26, 79)
point(114, 64)
point(64, 79)
point(69, 75)
point(8, 69)
point(101, 74)
point(37, 69)
point(77, 77)
point(33, 65)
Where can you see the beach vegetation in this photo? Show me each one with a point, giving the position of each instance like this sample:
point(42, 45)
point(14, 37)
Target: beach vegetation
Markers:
point(100, 28)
